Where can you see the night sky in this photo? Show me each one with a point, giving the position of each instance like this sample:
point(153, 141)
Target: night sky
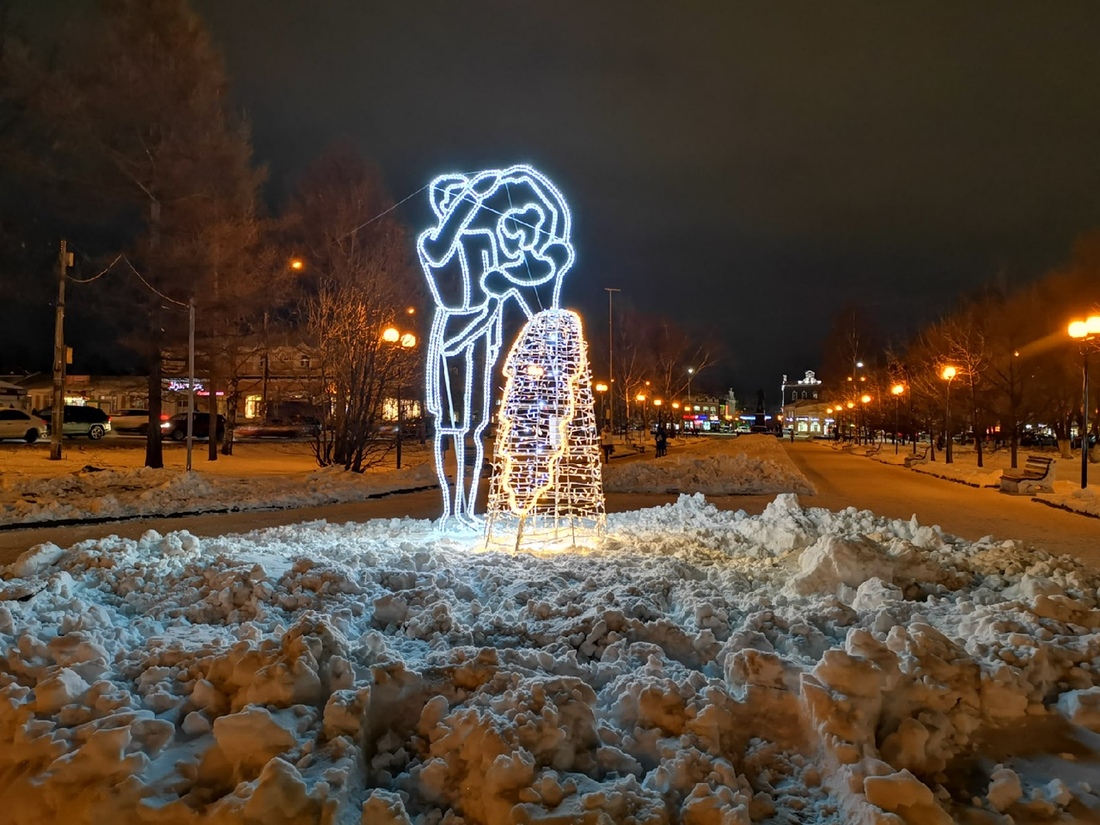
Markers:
point(743, 168)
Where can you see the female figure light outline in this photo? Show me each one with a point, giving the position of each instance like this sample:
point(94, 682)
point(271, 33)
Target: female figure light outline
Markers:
point(501, 235)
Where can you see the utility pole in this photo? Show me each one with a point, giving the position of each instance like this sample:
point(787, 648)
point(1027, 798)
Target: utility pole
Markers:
point(191, 379)
point(611, 359)
point(64, 261)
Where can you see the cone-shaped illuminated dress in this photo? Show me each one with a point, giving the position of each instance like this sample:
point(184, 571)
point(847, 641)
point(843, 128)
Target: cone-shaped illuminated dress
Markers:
point(547, 488)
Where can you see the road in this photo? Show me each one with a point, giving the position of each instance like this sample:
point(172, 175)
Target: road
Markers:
point(842, 480)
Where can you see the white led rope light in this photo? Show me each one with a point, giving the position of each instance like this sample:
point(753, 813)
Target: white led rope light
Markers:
point(501, 235)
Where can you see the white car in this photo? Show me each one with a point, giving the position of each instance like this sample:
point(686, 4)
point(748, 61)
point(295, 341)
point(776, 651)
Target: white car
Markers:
point(130, 421)
point(18, 424)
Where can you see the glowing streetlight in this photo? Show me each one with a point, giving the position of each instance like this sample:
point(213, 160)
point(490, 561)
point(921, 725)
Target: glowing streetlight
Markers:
point(691, 372)
point(392, 335)
point(1086, 332)
point(948, 374)
point(864, 401)
point(896, 391)
point(601, 388)
point(657, 402)
point(297, 264)
point(641, 399)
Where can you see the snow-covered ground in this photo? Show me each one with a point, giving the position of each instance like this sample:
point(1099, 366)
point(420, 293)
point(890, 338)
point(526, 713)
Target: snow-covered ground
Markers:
point(1068, 493)
point(700, 666)
point(105, 483)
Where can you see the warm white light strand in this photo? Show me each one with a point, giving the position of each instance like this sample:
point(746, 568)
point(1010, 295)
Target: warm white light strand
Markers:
point(547, 490)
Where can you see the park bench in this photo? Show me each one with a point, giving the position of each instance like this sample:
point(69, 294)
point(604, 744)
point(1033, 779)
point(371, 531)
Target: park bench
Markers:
point(918, 458)
point(1035, 476)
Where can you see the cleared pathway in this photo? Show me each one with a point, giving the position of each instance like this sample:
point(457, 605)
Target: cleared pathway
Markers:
point(844, 480)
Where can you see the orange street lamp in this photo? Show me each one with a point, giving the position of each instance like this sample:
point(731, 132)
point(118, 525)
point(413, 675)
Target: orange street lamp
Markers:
point(1087, 332)
point(392, 335)
point(601, 388)
point(896, 391)
point(864, 401)
point(641, 399)
point(948, 374)
point(297, 264)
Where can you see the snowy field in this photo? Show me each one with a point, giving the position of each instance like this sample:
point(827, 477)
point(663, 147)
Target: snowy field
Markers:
point(700, 667)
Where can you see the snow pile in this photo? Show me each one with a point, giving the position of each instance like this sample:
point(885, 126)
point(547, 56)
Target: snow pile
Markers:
point(701, 667)
point(92, 493)
point(751, 464)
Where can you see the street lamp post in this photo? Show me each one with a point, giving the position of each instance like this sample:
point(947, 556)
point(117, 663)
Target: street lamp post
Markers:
point(391, 335)
point(601, 388)
point(1086, 332)
point(948, 375)
point(641, 399)
point(828, 412)
point(657, 402)
point(611, 355)
point(848, 420)
point(691, 372)
point(896, 391)
point(864, 401)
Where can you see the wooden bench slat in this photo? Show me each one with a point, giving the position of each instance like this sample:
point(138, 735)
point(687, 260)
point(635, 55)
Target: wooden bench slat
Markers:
point(1036, 474)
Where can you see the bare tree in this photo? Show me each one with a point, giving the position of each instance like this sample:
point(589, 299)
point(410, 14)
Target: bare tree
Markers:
point(148, 135)
point(360, 282)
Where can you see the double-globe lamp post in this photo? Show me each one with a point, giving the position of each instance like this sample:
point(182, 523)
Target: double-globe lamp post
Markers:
point(392, 335)
point(896, 391)
point(948, 374)
point(1087, 332)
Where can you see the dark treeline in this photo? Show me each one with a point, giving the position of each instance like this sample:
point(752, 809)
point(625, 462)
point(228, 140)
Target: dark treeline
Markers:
point(120, 137)
point(1016, 367)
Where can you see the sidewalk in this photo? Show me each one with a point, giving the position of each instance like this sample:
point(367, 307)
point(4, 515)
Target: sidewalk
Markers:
point(964, 469)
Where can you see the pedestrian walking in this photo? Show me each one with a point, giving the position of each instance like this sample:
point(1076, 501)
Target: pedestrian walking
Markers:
point(662, 440)
point(607, 443)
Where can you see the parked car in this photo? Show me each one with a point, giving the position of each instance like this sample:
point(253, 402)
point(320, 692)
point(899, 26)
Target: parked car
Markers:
point(77, 420)
point(1034, 439)
point(18, 424)
point(175, 427)
point(294, 427)
point(130, 421)
point(1076, 442)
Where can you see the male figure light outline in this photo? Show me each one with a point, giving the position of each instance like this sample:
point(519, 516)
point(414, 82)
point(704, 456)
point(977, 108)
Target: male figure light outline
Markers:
point(501, 235)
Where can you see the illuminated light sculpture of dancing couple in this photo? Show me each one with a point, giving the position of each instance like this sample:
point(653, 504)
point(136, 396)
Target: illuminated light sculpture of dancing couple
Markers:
point(502, 236)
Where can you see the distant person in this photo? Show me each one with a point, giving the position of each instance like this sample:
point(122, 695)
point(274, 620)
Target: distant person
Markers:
point(662, 440)
point(607, 443)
